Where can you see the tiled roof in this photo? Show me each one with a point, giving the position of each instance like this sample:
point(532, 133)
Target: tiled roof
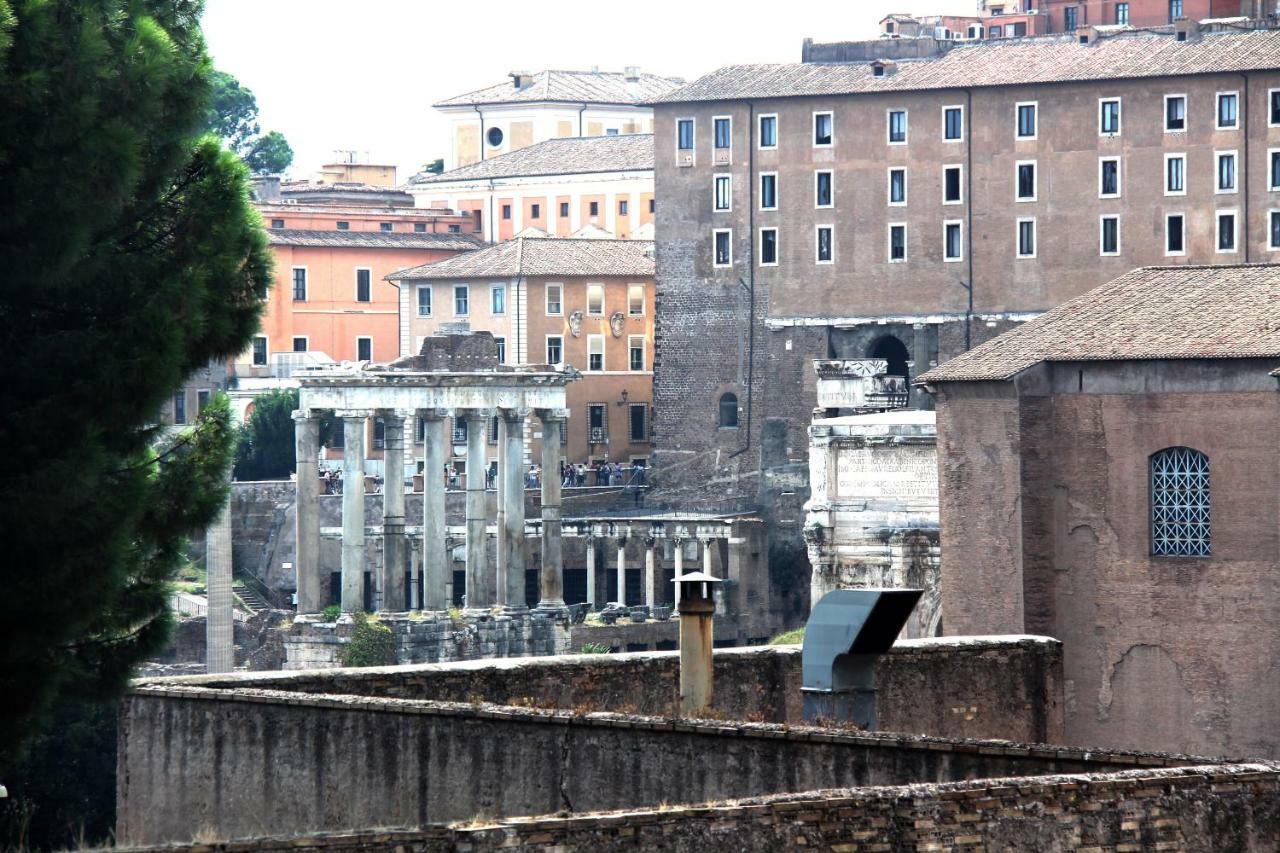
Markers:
point(309, 187)
point(1001, 62)
point(1151, 313)
point(578, 87)
point(541, 256)
point(573, 155)
point(373, 239)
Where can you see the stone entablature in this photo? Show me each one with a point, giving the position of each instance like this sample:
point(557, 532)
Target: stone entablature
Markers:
point(872, 515)
point(860, 385)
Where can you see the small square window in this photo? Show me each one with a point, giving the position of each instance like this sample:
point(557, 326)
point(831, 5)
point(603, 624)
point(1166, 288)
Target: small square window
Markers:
point(364, 349)
point(555, 349)
point(594, 208)
point(1228, 111)
point(386, 226)
point(506, 211)
point(343, 226)
point(421, 228)
point(1175, 113)
point(595, 353)
point(461, 300)
point(277, 223)
point(535, 211)
point(564, 208)
point(897, 127)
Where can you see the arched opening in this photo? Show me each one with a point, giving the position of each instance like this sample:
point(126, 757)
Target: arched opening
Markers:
point(1180, 503)
point(728, 410)
point(894, 352)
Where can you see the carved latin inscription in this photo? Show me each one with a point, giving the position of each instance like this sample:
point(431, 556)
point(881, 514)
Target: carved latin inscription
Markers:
point(887, 472)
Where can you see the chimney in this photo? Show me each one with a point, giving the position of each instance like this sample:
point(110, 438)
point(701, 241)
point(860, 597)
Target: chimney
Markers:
point(521, 79)
point(696, 605)
point(884, 68)
point(1088, 35)
point(632, 74)
point(1186, 29)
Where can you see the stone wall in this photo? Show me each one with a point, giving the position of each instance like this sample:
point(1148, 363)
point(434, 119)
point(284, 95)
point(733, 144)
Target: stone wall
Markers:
point(1208, 809)
point(237, 763)
point(1009, 687)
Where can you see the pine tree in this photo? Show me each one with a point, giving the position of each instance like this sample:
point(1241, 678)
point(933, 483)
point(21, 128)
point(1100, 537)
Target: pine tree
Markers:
point(129, 257)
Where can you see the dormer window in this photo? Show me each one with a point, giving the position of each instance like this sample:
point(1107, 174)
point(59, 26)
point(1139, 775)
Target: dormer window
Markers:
point(877, 70)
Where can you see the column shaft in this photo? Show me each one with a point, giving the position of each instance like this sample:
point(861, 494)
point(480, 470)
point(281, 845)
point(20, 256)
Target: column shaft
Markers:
point(480, 582)
point(551, 581)
point(622, 570)
point(651, 575)
point(219, 624)
point(436, 562)
point(679, 556)
point(511, 533)
point(353, 428)
point(391, 582)
point(311, 587)
point(591, 573)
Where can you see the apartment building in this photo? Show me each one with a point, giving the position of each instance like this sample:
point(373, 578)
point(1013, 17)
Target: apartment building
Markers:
point(582, 304)
point(909, 210)
point(533, 107)
point(1020, 18)
point(559, 186)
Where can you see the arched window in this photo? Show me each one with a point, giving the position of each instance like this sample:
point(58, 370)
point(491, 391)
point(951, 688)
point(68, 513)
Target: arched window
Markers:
point(728, 410)
point(894, 352)
point(1179, 503)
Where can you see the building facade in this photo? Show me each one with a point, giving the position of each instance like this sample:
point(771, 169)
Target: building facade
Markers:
point(580, 303)
point(535, 107)
point(997, 19)
point(1092, 490)
point(909, 210)
point(559, 186)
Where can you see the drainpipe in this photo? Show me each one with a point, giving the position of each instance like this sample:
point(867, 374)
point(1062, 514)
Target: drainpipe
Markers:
point(751, 267)
point(481, 114)
point(1244, 166)
point(968, 212)
point(581, 110)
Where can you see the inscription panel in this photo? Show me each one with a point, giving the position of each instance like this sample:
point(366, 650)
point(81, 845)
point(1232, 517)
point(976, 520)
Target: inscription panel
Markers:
point(887, 472)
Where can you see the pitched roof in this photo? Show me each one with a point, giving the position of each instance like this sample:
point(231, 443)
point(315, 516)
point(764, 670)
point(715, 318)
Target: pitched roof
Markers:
point(572, 155)
point(373, 239)
point(578, 87)
point(540, 256)
point(1150, 313)
point(1001, 62)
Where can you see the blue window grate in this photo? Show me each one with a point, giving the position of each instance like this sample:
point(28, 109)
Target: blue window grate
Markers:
point(1180, 503)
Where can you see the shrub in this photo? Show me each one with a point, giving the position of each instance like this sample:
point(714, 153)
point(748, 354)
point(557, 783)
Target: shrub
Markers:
point(787, 638)
point(595, 649)
point(372, 644)
point(331, 613)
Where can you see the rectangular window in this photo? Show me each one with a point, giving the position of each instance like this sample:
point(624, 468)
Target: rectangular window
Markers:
point(897, 186)
point(1175, 174)
point(1273, 102)
point(722, 248)
point(1109, 117)
point(343, 226)
point(768, 131)
point(1228, 104)
point(1109, 235)
point(825, 251)
point(1122, 14)
point(1070, 18)
point(555, 349)
point(421, 228)
point(635, 352)
point(1273, 172)
point(953, 240)
point(498, 299)
point(459, 431)
point(259, 350)
point(1026, 238)
point(595, 300)
point(1175, 10)
point(506, 211)
point(723, 132)
point(461, 300)
point(684, 134)
point(952, 184)
point(1175, 234)
point(652, 205)
point(624, 207)
point(594, 208)
point(299, 284)
point(635, 300)
point(769, 191)
point(1226, 231)
point(723, 195)
point(897, 127)
point(823, 132)
point(180, 407)
point(202, 400)
point(1027, 120)
point(952, 124)
point(1274, 230)
point(535, 211)
point(897, 242)
point(364, 349)
point(385, 226)
point(1175, 113)
point(822, 194)
point(639, 417)
point(564, 209)
point(1109, 177)
point(768, 247)
point(554, 294)
point(424, 300)
point(300, 344)
point(595, 353)
point(364, 285)
point(502, 349)
point(1026, 181)
point(277, 223)
point(597, 423)
point(1226, 171)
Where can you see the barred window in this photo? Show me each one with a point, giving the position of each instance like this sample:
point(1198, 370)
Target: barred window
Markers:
point(1179, 503)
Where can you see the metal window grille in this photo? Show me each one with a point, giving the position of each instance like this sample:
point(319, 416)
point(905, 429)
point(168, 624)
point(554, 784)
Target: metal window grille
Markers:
point(1180, 503)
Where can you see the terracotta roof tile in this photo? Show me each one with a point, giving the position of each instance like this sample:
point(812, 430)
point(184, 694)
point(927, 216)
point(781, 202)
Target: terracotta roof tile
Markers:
point(542, 256)
point(1182, 312)
point(373, 239)
point(579, 87)
point(1001, 62)
point(574, 155)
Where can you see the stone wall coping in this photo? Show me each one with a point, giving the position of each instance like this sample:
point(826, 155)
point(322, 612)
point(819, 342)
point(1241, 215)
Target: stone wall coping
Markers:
point(703, 727)
point(981, 795)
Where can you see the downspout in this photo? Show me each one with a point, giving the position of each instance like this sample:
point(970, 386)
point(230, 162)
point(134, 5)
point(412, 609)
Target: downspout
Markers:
point(1244, 171)
point(968, 212)
point(492, 223)
point(751, 266)
point(581, 110)
point(476, 107)
point(515, 302)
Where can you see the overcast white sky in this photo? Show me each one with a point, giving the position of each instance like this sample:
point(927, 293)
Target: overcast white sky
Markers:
point(332, 74)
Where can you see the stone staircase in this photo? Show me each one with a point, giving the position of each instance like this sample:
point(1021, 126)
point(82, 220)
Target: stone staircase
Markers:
point(249, 597)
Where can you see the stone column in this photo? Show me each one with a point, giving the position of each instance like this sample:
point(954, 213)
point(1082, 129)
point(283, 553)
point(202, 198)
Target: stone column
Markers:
point(551, 581)
point(622, 566)
point(591, 571)
point(678, 553)
point(220, 653)
point(353, 429)
point(391, 580)
point(706, 554)
point(651, 574)
point(312, 590)
point(480, 580)
point(436, 566)
point(511, 539)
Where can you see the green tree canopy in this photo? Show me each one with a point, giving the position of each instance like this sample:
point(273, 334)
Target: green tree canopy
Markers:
point(131, 257)
point(232, 115)
point(266, 449)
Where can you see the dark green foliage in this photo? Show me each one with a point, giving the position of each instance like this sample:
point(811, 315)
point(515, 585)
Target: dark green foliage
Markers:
point(435, 167)
point(130, 257)
point(332, 612)
point(372, 644)
point(232, 116)
point(266, 448)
